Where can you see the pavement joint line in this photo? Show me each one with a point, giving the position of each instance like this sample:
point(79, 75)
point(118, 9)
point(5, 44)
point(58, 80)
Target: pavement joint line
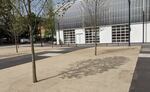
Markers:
point(144, 55)
point(145, 49)
point(51, 54)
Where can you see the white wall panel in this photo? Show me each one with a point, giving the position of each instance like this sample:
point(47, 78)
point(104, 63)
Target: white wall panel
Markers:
point(136, 33)
point(105, 35)
point(61, 36)
point(80, 36)
point(148, 32)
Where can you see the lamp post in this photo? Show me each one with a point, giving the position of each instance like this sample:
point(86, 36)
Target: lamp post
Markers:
point(144, 11)
point(129, 3)
point(146, 17)
point(143, 15)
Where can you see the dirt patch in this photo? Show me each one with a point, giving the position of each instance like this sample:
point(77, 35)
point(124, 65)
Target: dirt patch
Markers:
point(93, 66)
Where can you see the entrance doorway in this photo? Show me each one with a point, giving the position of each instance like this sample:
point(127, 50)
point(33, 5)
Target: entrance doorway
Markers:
point(79, 38)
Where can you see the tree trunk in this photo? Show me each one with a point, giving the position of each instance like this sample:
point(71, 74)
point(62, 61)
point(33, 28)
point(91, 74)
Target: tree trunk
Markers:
point(41, 40)
point(52, 39)
point(33, 55)
point(16, 42)
point(95, 41)
point(31, 42)
point(95, 27)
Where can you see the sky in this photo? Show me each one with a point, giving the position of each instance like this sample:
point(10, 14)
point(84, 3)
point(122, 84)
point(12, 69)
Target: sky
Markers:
point(55, 1)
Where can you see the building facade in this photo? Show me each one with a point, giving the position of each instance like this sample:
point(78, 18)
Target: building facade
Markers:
point(112, 22)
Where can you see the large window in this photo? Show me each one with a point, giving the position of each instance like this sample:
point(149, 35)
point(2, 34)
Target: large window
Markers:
point(90, 35)
point(120, 34)
point(69, 36)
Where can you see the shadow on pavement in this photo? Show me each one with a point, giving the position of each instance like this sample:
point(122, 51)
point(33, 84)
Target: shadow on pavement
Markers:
point(90, 67)
point(14, 61)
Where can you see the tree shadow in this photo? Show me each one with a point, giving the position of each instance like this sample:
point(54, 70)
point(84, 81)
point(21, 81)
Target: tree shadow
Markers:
point(90, 67)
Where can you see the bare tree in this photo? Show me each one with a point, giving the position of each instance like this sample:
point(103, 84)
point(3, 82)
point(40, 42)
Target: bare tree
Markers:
point(18, 24)
point(32, 7)
point(93, 7)
point(7, 18)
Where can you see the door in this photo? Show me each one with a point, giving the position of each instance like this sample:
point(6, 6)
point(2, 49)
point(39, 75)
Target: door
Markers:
point(79, 38)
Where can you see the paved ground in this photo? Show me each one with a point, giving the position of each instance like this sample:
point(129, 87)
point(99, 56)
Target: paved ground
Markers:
point(13, 61)
point(141, 78)
point(77, 71)
point(140, 81)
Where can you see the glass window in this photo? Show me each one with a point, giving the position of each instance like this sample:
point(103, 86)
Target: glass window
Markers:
point(90, 35)
point(69, 36)
point(120, 34)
